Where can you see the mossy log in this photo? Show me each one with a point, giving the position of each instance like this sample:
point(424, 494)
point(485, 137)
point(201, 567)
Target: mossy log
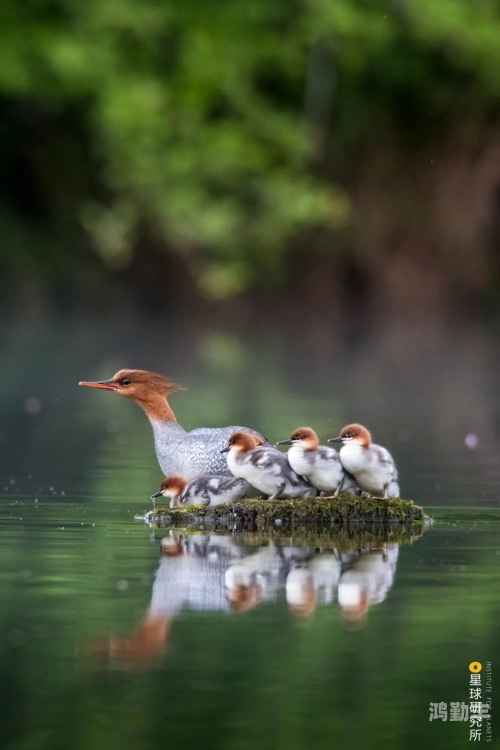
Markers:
point(320, 511)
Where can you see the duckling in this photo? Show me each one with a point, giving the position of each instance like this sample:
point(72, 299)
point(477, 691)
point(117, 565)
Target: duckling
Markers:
point(264, 467)
point(372, 466)
point(317, 463)
point(207, 489)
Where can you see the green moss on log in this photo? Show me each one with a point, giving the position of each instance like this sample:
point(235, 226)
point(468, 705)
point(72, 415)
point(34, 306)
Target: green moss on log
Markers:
point(332, 511)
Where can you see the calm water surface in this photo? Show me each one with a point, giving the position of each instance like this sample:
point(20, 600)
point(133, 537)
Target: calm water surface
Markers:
point(111, 638)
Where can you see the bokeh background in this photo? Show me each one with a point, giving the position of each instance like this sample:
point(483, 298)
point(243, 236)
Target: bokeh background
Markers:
point(179, 157)
point(291, 208)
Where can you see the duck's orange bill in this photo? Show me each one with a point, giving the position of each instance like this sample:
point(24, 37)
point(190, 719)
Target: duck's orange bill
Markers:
point(105, 385)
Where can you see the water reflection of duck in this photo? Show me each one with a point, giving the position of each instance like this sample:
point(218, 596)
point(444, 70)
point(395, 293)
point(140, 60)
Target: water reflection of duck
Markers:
point(179, 452)
point(211, 572)
point(367, 582)
point(313, 582)
point(253, 578)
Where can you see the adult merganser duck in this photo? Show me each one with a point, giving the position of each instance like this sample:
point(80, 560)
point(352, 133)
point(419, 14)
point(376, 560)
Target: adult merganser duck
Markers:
point(372, 466)
point(208, 489)
point(265, 467)
point(188, 454)
point(317, 463)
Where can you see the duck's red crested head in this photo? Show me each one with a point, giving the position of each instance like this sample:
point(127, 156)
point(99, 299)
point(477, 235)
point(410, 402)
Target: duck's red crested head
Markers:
point(148, 389)
point(242, 441)
point(305, 437)
point(353, 433)
point(135, 384)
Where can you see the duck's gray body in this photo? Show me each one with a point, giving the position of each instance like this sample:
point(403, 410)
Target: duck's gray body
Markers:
point(190, 454)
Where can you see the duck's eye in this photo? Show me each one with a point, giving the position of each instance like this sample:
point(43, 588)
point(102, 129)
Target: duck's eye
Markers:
point(125, 381)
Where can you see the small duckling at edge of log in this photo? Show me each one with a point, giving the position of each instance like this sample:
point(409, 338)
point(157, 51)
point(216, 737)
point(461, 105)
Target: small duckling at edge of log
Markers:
point(372, 466)
point(265, 467)
point(207, 489)
point(320, 465)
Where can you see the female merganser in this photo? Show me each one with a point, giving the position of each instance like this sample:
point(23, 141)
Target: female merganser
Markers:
point(265, 467)
point(188, 454)
point(372, 466)
point(208, 489)
point(317, 463)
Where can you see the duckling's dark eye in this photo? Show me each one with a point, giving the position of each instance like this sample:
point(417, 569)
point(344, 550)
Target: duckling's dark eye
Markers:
point(125, 381)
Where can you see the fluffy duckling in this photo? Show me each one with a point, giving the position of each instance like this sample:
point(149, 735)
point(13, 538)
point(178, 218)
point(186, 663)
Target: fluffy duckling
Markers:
point(372, 466)
point(208, 489)
point(320, 465)
point(264, 467)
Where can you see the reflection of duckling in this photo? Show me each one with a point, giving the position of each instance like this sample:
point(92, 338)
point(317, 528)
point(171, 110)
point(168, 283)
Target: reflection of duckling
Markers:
point(242, 598)
point(367, 582)
point(251, 578)
point(317, 463)
point(312, 582)
point(265, 467)
point(171, 546)
point(208, 489)
point(372, 466)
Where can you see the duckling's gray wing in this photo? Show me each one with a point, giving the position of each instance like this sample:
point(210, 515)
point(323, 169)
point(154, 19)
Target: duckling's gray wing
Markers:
point(273, 461)
point(385, 458)
point(328, 454)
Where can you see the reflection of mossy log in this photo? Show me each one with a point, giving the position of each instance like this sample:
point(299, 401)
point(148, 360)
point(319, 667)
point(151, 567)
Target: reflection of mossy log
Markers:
point(337, 511)
point(349, 536)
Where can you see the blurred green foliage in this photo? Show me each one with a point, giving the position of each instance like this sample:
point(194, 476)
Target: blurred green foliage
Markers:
point(219, 130)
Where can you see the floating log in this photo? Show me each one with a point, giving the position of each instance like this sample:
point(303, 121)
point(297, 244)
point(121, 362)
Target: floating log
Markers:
point(320, 511)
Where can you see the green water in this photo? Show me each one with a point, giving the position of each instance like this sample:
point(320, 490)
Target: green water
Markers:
point(105, 643)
